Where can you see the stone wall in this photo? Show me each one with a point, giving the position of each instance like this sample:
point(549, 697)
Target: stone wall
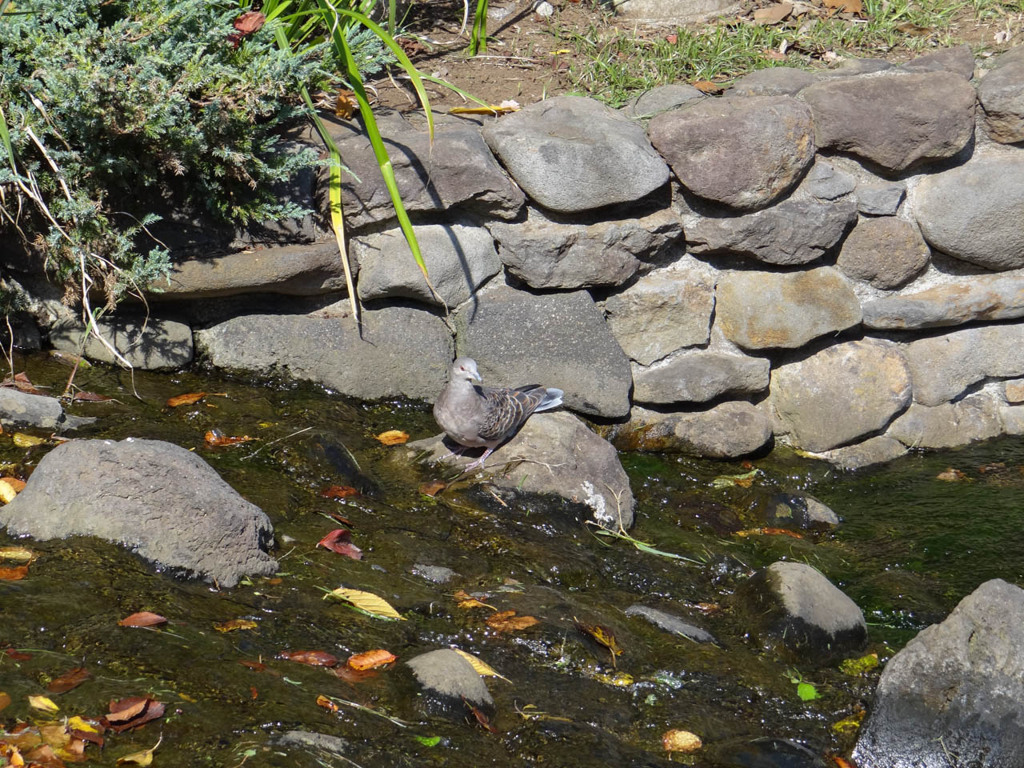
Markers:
point(831, 260)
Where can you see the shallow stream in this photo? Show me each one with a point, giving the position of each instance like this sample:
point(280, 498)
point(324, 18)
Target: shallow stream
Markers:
point(909, 548)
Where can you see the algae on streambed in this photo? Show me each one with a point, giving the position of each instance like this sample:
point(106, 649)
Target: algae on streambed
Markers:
point(909, 548)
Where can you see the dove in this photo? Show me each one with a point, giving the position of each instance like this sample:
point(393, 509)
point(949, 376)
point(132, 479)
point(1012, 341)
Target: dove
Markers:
point(476, 416)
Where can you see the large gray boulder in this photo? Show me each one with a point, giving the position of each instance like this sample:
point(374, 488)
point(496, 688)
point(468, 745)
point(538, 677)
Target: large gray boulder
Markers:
point(764, 310)
point(727, 430)
point(555, 454)
point(745, 153)
point(696, 376)
point(459, 259)
point(870, 378)
point(572, 154)
point(895, 121)
point(796, 606)
point(160, 500)
point(558, 340)
point(773, 81)
point(959, 59)
point(551, 252)
point(955, 689)
point(956, 302)
point(948, 425)
point(1001, 95)
point(400, 351)
point(973, 212)
point(663, 311)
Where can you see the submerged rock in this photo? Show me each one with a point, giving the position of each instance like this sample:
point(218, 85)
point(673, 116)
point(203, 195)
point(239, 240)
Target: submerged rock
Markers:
point(955, 689)
point(20, 409)
point(148, 343)
point(162, 501)
point(671, 623)
point(450, 684)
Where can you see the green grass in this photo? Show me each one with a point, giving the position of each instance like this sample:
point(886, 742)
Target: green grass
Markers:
point(613, 64)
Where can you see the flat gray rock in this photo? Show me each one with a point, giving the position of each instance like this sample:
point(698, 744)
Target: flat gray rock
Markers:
point(773, 81)
point(572, 154)
point(764, 310)
point(948, 425)
point(966, 300)
point(1001, 95)
point(955, 689)
point(672, 10)
point(698, 376)
point(459, 259)
point(875, 450)
point(402, 351)
point(663, 311)
point(875, 199)
point(162, 501)
point(148, 344)
point(449, 682)
point(959, 60)
point(728, 430)
point(886, 253)
point(561, 339)
point(20, 409)
point(895, 121)
point(555, 253)
point(944, 367)
point(973, 212)
point(796, 605)
point(660, 99)
point(744, 152)
point(869, 377)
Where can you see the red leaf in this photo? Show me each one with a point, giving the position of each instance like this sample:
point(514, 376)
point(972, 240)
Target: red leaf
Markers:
point(338, 492)
point(250, 22)
point(16, 655)
point(142, 619)
point(340, 541)
point(312, 658)
point(132, 712)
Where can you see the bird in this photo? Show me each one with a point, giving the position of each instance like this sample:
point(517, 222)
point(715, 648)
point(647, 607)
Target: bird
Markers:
point(475, 416)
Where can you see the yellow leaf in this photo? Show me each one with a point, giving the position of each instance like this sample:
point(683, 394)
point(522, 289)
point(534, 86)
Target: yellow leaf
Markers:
point(43, 704)
point(21, 440)
point(491, 109)
point(393, 437)
point(367, 602)
point(145, 757)
point(17, 554)
point(78, 723)
point(480, 667)
point(234, 625)
point(681, 741)
point(9, 488)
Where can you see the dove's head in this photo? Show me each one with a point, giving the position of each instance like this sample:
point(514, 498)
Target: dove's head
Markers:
point(465, 368)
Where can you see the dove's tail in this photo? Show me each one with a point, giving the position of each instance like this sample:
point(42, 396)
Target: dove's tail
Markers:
point(552, 399)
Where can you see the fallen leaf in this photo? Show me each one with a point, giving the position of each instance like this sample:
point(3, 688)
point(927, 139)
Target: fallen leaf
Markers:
point(143, 758)
point(21, 440)
point(14, 573)
point(345, 104)
point(15, 655)
point(465, 600)
point(681, 741)
point(340, 541)
point(393, 437)
point(367, 602)
point(43, 704)
point(507, 621)
point(951, 476)
point(743, 481)
point(706, 86)
point(354, 676)
point(86, 730)
point(217, 439)
point(70, 679)
point(190, 398)
point(601, 635)
point(769, 532)
point(132, 712)
point(994, 466)
point(339, 492)
point(142, 619)
point(371, 659)
point(90, 397)
point(481, 668)
point(856, 667)
point(256, 666)
point(21, 383)
point(250, 22)
point(323, 701)
point(433, 488)
point(9, 488)
point(491, 109)
point(773, 14)
point(17, 554)
point(66, 358)
point(840, 762)
point(850, 6)
point(482, 720)
point(311, 658)
point(915, 30)
point(671, 39)
point(235, 625)
point(5, 700)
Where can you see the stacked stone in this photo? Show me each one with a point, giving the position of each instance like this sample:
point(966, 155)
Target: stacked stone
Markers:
point(835, 260)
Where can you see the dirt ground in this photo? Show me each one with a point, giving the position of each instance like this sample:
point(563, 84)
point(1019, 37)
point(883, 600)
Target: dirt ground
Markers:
point(529, 57)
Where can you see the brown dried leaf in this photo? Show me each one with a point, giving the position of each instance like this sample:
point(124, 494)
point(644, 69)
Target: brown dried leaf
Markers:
point(90, 397)
point(191, 398)
point(70, 679)
point(601, 635)
point(142, 619)
point(706, 86)
point(951, 476)
point(9, 488)
point(323, 701)
point(465, 600)
point(773, 14)
point(217, 439)
point(681, 741)
point(371, 659)
point(5, 700)
point(433, 488)
point(311, 658)
point(393, 437)
point(250, 22)
point(850, 6)
point(345, 104)
point(14, 573)
point(507, 621)
point(339, 492)
point(235, 625)
point(132, 712)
